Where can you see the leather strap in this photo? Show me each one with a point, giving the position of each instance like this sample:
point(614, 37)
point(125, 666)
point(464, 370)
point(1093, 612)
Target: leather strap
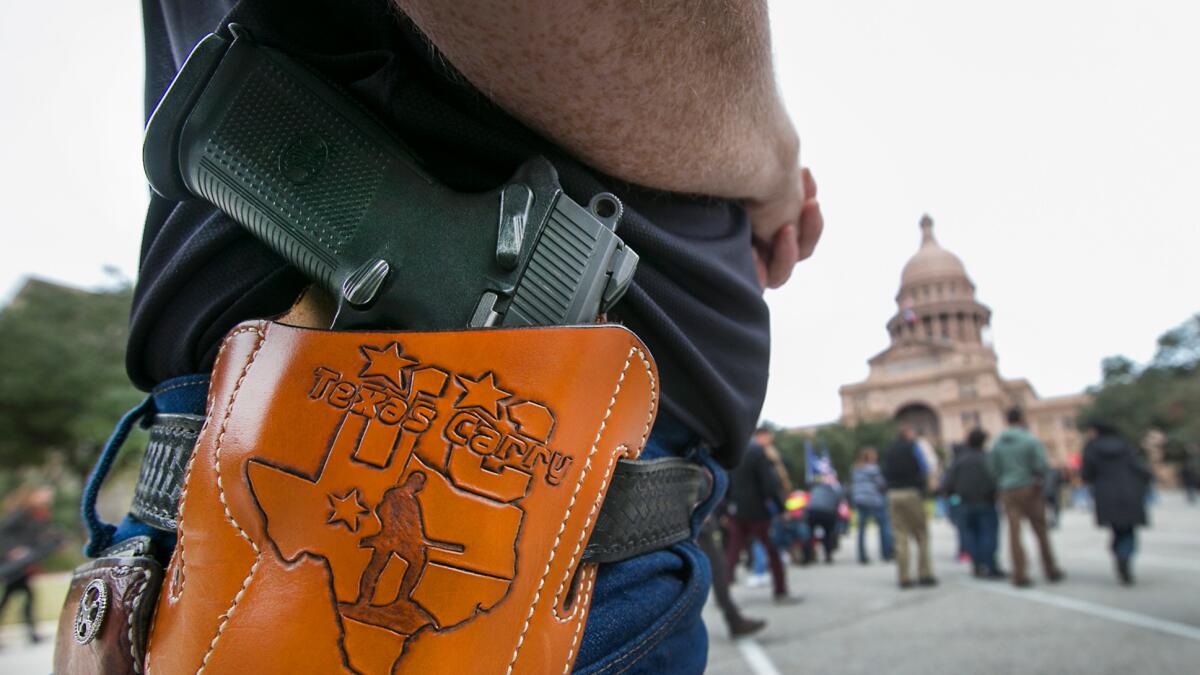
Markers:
point(156, 497)
point(649, 505)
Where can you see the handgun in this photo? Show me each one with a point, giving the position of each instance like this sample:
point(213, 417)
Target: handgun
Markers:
point(318, 178)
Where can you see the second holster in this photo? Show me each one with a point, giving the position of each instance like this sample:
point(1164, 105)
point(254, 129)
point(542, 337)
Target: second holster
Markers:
point(398, 502)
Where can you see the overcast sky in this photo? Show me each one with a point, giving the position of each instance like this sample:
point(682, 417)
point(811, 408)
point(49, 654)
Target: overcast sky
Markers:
point(1055, 144)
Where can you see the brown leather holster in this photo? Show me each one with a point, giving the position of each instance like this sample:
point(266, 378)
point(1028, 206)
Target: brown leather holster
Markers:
point(367, 502)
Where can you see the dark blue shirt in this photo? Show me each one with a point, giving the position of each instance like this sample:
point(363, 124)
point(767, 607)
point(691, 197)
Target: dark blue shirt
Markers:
point(695, 299)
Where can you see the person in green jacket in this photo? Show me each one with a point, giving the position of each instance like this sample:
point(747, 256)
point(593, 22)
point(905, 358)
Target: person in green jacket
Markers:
point(1018, 463)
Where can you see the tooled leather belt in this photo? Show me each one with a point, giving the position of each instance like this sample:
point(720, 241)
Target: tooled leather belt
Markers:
point(649, 503)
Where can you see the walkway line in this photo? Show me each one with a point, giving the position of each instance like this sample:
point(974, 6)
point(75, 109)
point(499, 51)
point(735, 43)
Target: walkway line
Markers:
point(1151, 559)
point(756, 657)
point(1101, 611)
point(1155, 534)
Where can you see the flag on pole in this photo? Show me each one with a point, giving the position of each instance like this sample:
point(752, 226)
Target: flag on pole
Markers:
point(810, 460)
point(817, 465)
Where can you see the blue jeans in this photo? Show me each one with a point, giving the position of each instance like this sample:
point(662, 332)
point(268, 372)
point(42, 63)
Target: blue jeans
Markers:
point(758, 557)
point(880, 515)
point(980, 534)
point(645, 613)
point(954, 512)
point(1124, 543)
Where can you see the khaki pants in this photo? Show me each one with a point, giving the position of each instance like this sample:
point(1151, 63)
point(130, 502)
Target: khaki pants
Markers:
point(1026, 503)
point(907, 510)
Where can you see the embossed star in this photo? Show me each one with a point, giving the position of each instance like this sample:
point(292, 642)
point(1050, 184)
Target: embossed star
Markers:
point(482, 393)
point(346, 510)
point(386, 362)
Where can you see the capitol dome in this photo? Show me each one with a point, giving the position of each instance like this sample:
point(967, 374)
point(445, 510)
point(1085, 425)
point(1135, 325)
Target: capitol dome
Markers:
point(931, 262)
point(937, 299)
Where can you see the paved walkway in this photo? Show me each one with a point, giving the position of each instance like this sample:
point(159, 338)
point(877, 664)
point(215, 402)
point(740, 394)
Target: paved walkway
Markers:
point(855, 620)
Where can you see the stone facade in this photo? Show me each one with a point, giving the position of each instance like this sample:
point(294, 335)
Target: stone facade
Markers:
point(940, 373)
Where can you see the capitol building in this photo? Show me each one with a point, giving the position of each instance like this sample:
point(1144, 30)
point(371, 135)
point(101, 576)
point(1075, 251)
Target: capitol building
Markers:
point(940, 373)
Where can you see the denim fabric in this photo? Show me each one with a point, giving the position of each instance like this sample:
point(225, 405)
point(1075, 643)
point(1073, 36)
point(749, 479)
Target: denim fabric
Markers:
point(1124, 542)
point(954, 512)
point(880, 515)
point(645, 615)
point(758, 558)
point(980, 533)
point(182, 395)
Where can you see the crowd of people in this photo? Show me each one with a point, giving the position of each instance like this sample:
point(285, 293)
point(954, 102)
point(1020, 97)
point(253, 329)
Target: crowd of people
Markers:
point(763, 519)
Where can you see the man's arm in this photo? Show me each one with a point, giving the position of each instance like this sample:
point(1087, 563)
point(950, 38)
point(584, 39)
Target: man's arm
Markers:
point(920, 455)
point(949, 484)
point(768, 480)
point(678, 95)
point(1087, 471)
point(1041, 464)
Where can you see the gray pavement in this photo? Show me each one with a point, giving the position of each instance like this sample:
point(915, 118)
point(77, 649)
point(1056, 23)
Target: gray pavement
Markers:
point(18, 656)
point(855, 620)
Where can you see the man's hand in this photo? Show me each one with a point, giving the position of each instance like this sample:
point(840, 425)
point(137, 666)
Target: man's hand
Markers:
point(786, 226)
point(678, 96)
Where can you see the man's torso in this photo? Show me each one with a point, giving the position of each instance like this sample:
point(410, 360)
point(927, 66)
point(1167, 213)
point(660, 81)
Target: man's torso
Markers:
point(695, 299)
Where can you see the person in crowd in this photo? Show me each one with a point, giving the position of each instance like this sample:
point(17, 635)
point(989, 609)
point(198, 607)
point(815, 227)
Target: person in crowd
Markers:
point(1078, 496)
point(791, 531)
point(1018, 464)
point(1052, 492)
point(758, 552)
point(756, 562)
point(739, 625)
point(867, 495)
point(1119, 480)
point(756, 496)
point(824, 498)
point(767, 436)
point(933, 475)
point(26, 537)
point(953, 505)
point(1189, 476)
point(907, 476)
point(969, 479)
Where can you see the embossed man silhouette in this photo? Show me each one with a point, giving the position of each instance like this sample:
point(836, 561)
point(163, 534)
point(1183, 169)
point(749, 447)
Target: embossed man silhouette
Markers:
point(402, 536)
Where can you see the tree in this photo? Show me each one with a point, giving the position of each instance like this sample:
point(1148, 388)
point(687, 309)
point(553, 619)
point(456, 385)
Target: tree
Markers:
point(1118, 370)
point(1179, 348)
point(64, 383)
point(843, 441)
point(1163, 395)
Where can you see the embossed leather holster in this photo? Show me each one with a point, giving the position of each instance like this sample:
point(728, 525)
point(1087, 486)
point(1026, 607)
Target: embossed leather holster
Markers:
point(398, 502)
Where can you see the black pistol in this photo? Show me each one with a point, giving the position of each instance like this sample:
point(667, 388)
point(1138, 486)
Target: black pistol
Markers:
point(314, 175)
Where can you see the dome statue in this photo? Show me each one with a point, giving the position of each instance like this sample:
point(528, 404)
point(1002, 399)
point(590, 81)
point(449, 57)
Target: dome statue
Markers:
point(936, 300)
point(931, 262)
